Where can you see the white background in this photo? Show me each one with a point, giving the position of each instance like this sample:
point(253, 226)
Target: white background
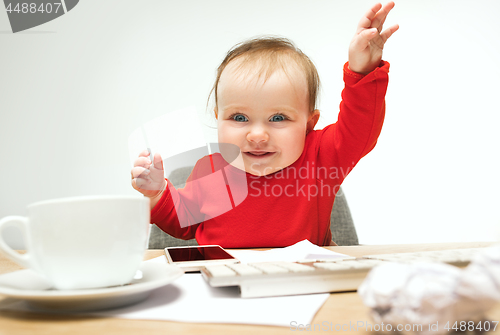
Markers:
point(73, 90)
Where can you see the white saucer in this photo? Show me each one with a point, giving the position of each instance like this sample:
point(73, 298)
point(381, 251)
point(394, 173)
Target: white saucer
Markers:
point(34, 288)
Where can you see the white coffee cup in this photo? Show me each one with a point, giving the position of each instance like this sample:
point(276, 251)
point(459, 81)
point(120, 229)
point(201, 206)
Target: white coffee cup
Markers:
point(83, 242)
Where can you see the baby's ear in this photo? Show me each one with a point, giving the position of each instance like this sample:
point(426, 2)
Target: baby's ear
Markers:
point(312, 120)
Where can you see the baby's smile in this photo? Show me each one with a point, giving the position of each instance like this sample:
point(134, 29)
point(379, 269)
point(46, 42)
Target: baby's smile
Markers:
point(258, 158)
point(259, 154)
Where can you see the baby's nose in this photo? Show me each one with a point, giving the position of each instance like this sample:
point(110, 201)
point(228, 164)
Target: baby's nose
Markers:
point(258, 134)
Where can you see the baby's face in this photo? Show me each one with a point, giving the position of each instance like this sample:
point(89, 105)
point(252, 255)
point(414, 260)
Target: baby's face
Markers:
point(267, 121)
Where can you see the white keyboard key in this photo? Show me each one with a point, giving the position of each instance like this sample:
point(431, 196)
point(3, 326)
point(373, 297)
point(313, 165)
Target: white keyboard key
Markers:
point(244, 269)
point(305, 260)
point(349, 264)
point(269, 268)
point(374, 257)
point(365, 264)
point(294, 267)
point(220, 271)
point(332, 266)
point(373, 262)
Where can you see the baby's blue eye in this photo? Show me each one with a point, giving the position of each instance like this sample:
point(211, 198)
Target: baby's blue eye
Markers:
point(278, 118)
point(240, 118)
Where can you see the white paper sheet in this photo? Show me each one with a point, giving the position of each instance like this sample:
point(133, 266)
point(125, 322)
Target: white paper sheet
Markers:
point(191, 299)
point(299, 251)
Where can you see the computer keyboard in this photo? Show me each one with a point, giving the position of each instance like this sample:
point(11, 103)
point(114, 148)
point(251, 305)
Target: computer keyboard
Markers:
point(265, 279)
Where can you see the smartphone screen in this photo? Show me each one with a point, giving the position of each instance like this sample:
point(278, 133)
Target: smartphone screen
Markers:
point(202, 253)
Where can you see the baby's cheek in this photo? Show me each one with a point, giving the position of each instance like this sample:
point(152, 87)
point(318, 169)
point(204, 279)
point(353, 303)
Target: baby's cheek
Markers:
point(295, 149)
point(231, 135)
point(223, 134)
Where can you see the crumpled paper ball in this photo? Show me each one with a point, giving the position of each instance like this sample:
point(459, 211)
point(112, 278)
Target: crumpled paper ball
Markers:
point(433, 295)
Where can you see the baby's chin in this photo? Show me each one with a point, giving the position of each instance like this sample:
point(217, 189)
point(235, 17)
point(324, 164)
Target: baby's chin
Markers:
point(267, 166)
point(258, 170)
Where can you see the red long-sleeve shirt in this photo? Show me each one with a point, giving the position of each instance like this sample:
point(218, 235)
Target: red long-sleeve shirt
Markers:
point(235, 209)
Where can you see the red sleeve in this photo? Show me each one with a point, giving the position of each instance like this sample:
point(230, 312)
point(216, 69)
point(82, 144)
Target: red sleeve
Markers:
point(179, 212)
point(164, 215)
point(360, 120)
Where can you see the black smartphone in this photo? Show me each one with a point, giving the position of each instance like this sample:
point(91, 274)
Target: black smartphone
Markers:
point(194, 258)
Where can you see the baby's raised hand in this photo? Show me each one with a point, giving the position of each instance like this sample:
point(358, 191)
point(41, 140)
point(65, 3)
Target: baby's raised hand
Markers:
point(365, 50)
point(148, 178)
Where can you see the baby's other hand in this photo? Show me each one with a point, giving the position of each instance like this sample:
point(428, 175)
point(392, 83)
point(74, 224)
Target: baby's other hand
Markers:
point(365, 50)
point(148, 178)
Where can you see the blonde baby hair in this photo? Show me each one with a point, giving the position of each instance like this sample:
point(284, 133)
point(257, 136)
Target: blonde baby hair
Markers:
point(270, 54)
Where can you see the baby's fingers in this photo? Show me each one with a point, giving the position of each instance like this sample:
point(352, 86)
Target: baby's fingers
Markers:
point(158, 162)
point(144, 186)
point(144, 162)
point(142, 182)
point(379, 19)
point(366, 20)
point(361, 41)
point(144, 153)
point(388, 32)
point(140, 172)
point(157, 172)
